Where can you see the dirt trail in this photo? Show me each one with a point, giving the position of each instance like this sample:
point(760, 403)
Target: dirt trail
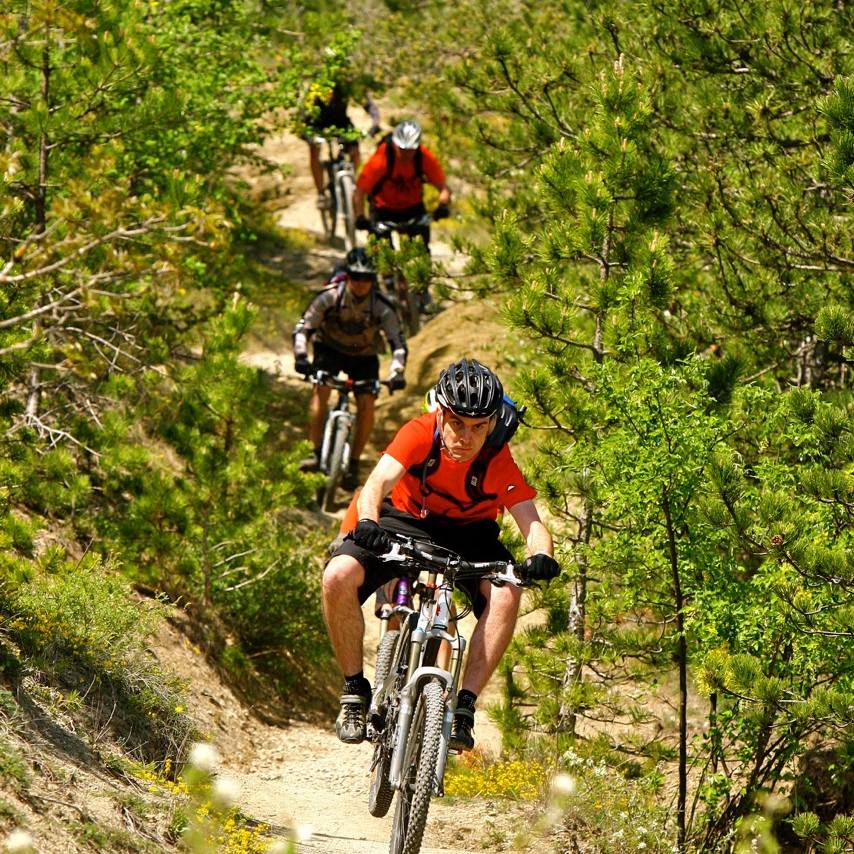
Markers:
point(302, 776)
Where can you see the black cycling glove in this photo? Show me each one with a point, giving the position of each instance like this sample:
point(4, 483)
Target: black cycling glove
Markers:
point(302, 365)
point(363, 223)
point(441, 212)
point(540, 567)
point(369, 535)
point(396, 382)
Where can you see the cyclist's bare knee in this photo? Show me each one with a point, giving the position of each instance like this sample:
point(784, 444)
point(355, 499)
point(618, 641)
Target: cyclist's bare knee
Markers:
point(342, 577)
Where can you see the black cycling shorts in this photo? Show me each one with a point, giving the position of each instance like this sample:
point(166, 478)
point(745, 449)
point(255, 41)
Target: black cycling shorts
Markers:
point(474, 541)
point(356, 367)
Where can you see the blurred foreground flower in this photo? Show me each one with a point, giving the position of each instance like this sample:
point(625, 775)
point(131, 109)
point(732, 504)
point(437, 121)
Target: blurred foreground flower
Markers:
point(225, 791)
point(303, 832)
point(563, 785)
point(204, 757)
point(19, 842)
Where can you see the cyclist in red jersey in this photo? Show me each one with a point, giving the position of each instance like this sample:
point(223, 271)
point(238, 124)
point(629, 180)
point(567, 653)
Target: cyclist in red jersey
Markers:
point(393, 180)
point(441, 480)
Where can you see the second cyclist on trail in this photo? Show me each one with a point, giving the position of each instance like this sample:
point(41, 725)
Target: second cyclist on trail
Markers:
point(346, 323)
point(393, 179)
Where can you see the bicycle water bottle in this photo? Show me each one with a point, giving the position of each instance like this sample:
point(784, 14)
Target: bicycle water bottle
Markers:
point(402, 593)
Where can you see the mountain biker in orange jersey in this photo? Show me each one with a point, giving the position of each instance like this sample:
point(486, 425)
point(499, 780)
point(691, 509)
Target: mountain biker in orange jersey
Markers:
point(447, 480)
point(347, 321)
point(393, 180)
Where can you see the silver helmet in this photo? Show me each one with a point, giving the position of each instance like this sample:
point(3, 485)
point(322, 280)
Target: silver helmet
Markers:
point(407, 134)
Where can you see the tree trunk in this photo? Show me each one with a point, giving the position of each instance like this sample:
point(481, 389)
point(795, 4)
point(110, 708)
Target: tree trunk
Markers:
point(682, 662)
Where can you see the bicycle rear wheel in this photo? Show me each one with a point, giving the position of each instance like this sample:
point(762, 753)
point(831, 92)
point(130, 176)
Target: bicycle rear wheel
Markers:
point(419, 764)
point(336, 464)
point(345, 207)
point(381, 794)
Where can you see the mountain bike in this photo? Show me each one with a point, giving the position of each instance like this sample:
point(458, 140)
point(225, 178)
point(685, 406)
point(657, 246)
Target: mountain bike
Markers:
point(410, 305)
point(413, 705)
point(338, 429)
point(340, 182)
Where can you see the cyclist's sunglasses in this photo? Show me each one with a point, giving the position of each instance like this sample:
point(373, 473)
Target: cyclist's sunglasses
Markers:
point(362, 277)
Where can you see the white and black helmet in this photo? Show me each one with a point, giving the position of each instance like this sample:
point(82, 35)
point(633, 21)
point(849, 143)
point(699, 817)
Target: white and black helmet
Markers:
point(407, 135)
point(359, 263)
point(469, 389)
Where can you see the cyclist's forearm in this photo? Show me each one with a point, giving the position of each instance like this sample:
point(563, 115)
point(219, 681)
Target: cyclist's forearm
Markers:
point(537, 536)
point(444, 195)
point(539, 540)
point(387, 472)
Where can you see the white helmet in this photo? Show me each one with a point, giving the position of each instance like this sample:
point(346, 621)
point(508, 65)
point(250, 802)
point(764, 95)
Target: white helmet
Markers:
point(407, 135)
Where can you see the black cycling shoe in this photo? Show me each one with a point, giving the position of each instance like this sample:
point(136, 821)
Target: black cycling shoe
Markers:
point(461, 731)
point(350, 725)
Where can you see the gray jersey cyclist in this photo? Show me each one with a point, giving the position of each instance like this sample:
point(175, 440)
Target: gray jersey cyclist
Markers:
point(348, 324)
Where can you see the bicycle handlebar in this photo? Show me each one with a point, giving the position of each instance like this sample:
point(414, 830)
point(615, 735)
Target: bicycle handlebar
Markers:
point(451, 565)
point(381, 227)
point(338, 384)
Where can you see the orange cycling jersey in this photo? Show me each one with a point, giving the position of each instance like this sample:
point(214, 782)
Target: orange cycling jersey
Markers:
point(443, 492)
point(403, 188)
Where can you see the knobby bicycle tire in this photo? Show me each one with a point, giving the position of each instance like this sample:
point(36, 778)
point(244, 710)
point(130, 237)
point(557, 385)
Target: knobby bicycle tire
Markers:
point(422, 754)
point(345, 206)
point(381, 794)
point(336, 464)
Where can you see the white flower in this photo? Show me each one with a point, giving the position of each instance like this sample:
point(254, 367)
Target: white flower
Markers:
point(19, 842)
point(204, 757)
point(225, 791)
point(563, 785)
point(303, 832)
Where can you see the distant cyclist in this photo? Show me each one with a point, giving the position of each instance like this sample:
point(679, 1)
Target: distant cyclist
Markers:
point(444, 478)
point(393, 180)
point(346, 323)
point(323, 114)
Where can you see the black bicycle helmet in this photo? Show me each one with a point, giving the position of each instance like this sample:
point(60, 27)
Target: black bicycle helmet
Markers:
point(469, 389)
point(359, 262)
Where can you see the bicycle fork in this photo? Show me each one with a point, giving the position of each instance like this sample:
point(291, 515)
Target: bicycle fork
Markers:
point(332, 420)
point(409, 698)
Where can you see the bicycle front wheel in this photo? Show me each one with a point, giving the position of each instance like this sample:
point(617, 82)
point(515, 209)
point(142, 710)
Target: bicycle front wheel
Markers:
point(336, 464)
point(381, 794)
point(419, 764)
point(345, 208)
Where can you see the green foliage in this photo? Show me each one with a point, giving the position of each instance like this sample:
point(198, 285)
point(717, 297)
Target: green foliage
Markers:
point(14, 771)
point(674, 237)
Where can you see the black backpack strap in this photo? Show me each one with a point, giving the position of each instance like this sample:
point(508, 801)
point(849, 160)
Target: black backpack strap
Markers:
point(474, 476)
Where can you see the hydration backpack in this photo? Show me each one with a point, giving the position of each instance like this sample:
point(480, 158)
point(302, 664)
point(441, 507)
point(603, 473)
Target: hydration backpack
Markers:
point(506, 424)
point(390, 158)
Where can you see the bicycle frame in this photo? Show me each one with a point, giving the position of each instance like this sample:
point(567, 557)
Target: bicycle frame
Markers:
point(431, 624)
point(336, 444)
point(339, 412)
point(431, 620)
point(341, 182)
